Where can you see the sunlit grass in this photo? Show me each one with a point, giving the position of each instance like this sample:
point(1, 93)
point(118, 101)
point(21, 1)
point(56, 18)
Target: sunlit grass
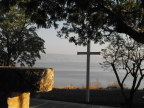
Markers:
point(93, 86)
point(98, 94)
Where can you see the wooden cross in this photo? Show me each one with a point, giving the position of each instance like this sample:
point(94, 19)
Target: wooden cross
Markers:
point(88, 53)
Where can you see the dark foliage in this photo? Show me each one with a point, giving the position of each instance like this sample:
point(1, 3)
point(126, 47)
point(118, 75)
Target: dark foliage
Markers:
point(19, 42)
point(92, 19)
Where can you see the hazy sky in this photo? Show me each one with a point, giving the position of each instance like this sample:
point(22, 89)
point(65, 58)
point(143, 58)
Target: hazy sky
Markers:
point(56, 45)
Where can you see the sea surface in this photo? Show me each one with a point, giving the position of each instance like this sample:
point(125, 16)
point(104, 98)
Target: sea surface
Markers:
point(71, 70)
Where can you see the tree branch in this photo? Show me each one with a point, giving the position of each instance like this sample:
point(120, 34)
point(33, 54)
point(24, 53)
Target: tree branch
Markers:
point(119, 82)
point(139, 82)
point(122, 27)
point(117, 76)
point(126, 75)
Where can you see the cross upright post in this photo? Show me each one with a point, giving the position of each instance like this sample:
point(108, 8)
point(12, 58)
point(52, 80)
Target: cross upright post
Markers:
point(88, 53)
point(88, 72)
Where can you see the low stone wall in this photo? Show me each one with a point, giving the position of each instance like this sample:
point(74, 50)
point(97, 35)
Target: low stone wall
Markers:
point(16, 83)
point(19, 79)
point(19, 100)
point(47, 81)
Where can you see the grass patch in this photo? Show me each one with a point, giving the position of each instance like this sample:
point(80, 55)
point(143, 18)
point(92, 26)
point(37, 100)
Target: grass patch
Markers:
point(109, 96)
point(103, 97)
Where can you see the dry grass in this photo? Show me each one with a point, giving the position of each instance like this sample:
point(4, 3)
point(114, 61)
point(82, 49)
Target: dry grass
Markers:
point(67, 87)
point(93, 86)
point(113, 85)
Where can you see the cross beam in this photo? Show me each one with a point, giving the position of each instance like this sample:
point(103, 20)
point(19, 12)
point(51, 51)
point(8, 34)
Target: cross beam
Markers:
point(91, 53)
point(88, 53)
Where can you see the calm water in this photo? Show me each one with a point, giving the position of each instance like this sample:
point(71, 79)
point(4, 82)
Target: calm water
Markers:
point(71, 70)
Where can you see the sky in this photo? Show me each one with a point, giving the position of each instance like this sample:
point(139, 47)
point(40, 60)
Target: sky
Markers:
point(56, 45)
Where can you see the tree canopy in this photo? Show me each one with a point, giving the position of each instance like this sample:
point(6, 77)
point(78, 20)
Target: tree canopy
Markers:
point(19, 42)
point(103, 16)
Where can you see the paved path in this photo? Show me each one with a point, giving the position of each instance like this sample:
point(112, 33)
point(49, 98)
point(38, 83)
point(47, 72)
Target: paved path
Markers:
point(40, 103)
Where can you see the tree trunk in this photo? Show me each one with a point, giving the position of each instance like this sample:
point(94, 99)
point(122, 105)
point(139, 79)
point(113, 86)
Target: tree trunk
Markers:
point(129, 102)
point(7, 62)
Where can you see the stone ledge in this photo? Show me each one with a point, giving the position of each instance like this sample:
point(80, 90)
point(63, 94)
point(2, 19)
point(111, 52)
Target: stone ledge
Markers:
point(17, 79)
point(19, 100)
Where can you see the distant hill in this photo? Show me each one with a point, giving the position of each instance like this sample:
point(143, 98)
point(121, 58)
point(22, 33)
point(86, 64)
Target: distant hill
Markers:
point(67, 58)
